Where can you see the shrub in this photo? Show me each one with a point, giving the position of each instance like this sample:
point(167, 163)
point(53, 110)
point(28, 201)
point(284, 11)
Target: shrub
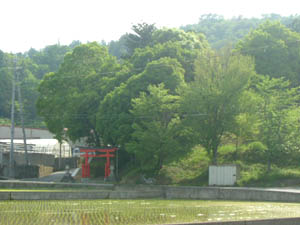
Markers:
point(254, 152)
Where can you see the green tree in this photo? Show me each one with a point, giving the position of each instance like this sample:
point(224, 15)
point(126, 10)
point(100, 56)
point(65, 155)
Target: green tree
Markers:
point(246, 126)
point(188, 40)
point(211, 102)
point(276, 51)
point(113, 119)
point(221, 32)
point(70, 97)
point(173, 43)
point(295, 25)
point(278, 117)
point(29, 89)
point(118, 48)
point(141, 37)
point(49, 58)
point(168, 59)
point(5, 84)
point(158, 136)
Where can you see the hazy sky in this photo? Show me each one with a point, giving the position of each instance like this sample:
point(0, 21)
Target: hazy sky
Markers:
point(37, 23)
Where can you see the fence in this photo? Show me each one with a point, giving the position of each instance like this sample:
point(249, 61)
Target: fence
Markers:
point(65, 151)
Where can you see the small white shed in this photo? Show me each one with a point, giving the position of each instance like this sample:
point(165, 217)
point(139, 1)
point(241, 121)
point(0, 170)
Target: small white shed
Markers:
point(223, 175)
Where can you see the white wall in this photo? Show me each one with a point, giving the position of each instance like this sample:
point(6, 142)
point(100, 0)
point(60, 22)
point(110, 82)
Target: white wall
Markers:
point(225, 175)
point(31, 133)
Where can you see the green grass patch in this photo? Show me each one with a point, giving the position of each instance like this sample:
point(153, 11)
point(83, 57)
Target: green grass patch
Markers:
point(189, 170)
point(192, 169)
point(258, 175)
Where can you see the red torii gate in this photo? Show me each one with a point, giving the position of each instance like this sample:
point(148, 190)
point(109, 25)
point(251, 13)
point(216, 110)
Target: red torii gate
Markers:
point(86, 165)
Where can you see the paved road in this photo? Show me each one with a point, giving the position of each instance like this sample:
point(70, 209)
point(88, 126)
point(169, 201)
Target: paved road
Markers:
point(54, 177)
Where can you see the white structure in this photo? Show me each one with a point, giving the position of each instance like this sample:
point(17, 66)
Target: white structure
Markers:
point(225, 175)
point(45, 146)
point(31, 133)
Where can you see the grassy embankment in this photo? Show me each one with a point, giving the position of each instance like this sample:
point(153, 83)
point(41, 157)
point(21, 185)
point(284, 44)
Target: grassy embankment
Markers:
point(251, 159)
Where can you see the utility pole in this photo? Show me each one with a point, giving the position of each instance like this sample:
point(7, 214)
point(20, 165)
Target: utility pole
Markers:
point(1, 155)
point(59, 161)
point(12, 129)
point(22, 118)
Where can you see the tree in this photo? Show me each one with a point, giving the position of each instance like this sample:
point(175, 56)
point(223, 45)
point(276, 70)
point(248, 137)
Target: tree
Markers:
point(276, 51)
point(295, 25)
point(189, 40)
point(141, 37)
point(5, 84)
point(113, 118)
point(158, 137)
point(221, 32)
point(70, 97)
point(173, 43)
point(118, 48)
point(49, 58)
point(211, 102)
point(246, 126)
point(168, 59)
point(278, 117)
point(29, 88)
point(27, 82)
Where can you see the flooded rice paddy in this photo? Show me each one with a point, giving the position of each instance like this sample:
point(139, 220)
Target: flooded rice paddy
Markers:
point(119, 212)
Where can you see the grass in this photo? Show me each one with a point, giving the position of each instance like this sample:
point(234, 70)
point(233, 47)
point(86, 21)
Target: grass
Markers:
point(257, 175)
point(193, 168)
point(121, 212)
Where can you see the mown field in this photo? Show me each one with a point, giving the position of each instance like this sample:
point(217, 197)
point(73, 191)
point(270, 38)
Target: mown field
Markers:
point(119, 212)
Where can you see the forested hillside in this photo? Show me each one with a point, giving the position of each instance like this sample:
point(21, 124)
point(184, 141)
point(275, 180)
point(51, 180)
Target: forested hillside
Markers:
point(221, 32)
point(227, 90)
point(31, 67)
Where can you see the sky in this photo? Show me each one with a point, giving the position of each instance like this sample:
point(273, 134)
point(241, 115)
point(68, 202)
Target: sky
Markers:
point(35, 24)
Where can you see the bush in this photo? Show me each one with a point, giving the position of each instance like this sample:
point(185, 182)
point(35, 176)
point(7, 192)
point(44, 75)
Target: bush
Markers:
point(254, 152)
point(97, 167)
point(227, 154)
point(258, 175)
point(250, 174)
point(191, 169)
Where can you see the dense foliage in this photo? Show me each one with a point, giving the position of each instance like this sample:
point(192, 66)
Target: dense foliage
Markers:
point(221, 32)
point(167, 91)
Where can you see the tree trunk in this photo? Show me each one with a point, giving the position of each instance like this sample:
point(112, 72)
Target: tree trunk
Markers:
point(59, 161)
point(269, 161)
point(215, 156)
point(236, 147)
point(269, 166)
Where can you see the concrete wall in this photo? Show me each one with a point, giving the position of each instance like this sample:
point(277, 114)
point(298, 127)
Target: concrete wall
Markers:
point(72, 162)
point(45, 161)
point(243, 194)
point(33, 158)
point(31, 133)
point(215, 193)
point(50, 185)
point(169, 192)
point(284, 221)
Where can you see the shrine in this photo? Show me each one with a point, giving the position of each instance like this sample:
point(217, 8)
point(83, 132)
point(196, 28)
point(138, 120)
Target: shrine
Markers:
point(93, 152)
